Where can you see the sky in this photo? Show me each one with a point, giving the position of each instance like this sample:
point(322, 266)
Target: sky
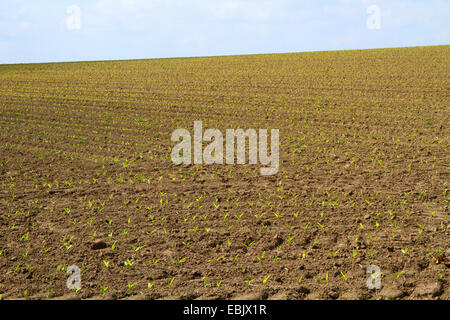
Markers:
point(80, 30)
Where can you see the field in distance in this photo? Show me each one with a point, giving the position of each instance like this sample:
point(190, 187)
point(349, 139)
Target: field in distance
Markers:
point(87, 178)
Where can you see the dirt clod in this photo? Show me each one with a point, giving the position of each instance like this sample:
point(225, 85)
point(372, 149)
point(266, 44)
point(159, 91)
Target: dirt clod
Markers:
point(98, 245)
point(433, 289)
point(391, 293)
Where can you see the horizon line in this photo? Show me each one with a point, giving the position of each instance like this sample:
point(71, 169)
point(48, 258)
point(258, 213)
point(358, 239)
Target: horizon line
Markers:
point(219, 56)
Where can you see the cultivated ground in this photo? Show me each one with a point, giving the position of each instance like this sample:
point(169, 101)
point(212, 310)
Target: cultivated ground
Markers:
point(87, 178)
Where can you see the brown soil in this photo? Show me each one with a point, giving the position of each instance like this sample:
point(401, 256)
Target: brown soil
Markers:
point(87, 179)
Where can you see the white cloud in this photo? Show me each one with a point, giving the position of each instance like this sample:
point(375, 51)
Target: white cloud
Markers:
point(24, 25)
point(243, 10)
point(129, 4)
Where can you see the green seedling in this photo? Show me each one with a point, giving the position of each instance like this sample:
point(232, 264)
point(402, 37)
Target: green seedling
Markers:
point(131, 285)
point(261, 257)
point(333, 254)
point(171, 282)
point(266, 278)
point(291, 238)
point(129, 263)
point(249, 281)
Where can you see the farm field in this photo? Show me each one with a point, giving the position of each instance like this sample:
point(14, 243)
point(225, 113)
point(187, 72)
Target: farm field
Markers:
point(87, 178)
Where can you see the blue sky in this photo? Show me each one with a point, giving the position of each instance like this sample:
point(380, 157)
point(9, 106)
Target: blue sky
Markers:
point(45, 31)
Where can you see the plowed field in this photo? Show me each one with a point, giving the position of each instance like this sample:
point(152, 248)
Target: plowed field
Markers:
point(87, 178)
